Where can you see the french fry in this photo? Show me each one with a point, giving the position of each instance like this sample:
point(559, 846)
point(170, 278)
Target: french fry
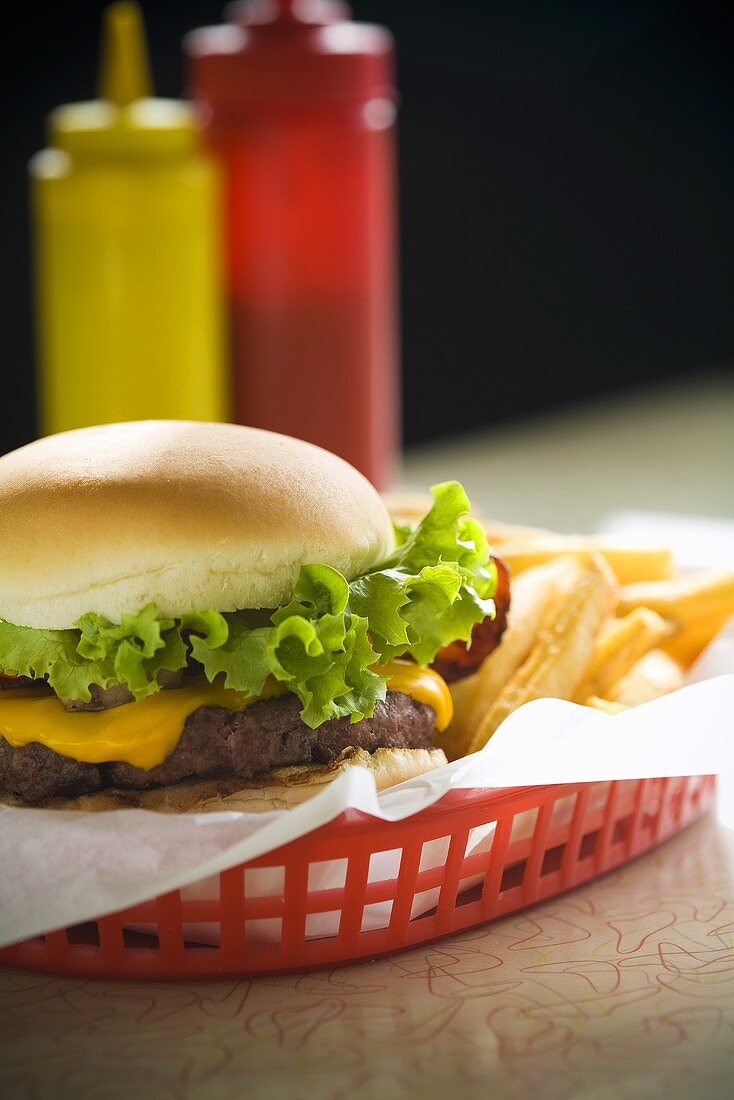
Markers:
point(605, 705)
point(560, 641)
point(621, 643)
point(498, 532)
point(531, 595)
point(629, 563)
point(690, 641)
point(684, 600)
point(454, 740)
point(407, 508)
point(653, 675)
point(563, 650)
point(410, 507)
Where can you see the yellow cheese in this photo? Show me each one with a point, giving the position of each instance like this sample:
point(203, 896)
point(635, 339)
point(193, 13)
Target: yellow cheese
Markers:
point(422, 684)
point(144, 734)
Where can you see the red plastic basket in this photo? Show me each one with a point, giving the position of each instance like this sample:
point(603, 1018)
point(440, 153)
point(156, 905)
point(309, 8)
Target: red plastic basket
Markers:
point(471, 857)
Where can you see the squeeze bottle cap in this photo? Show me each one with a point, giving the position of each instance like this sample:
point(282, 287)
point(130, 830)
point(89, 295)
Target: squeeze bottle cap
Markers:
point(126, 120)
point(289, 54)
point(125, 70)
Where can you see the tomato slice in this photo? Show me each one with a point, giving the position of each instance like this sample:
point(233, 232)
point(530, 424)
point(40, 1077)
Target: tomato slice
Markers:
point(457, 660)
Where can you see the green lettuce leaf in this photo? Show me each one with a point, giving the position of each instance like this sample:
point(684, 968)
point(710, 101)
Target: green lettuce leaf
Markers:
point(436, 585)
point(313, 646)
point(99, 652)
point(323, 646)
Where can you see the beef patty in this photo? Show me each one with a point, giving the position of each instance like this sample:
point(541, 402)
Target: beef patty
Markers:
point(216, 741)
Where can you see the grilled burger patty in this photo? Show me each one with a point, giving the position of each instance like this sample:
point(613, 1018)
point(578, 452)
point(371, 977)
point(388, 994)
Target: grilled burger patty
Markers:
point(216, 741)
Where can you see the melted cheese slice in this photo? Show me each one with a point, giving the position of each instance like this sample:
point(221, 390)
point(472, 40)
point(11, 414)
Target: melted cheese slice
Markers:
point(144, 734)
point(422, 684)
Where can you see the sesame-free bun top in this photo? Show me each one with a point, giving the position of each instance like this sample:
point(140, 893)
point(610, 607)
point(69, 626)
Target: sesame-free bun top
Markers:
point(187, 515)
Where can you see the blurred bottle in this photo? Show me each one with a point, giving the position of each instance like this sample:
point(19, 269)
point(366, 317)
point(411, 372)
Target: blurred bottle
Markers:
point(298, 103)
point(129, 294)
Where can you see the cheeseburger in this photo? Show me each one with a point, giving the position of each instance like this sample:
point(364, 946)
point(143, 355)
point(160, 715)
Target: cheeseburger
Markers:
point(205, 615)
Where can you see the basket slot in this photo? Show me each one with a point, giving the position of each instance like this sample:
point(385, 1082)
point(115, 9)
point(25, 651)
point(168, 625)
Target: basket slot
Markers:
point(84, 936)
point(111, 941)
point(513, 877)
point(552, 860)
point(263, 881)
point(333, 872)
point(434, 854)
point(134, 938)
point(523, 830)
point(376, 920)
point(670, 806)
point(423, 909)
point(621, 831)
point(589, 841)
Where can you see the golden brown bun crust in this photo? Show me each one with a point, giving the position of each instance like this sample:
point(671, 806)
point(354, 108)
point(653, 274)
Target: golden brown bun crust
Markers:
point(282, 789)
point(188, 515)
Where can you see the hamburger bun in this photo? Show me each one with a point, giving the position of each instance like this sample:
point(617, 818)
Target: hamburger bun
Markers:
point(186, 515)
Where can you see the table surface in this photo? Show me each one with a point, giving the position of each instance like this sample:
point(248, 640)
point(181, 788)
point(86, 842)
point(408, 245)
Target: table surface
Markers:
point(622, 989)
point(668, 449)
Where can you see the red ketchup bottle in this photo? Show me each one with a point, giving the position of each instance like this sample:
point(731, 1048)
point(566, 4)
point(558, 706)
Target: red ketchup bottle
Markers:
point(299, 105)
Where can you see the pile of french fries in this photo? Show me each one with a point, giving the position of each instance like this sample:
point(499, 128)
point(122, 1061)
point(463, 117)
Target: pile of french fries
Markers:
point(591, 620)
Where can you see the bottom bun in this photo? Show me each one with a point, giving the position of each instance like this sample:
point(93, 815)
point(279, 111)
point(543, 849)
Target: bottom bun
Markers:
point(281, 789)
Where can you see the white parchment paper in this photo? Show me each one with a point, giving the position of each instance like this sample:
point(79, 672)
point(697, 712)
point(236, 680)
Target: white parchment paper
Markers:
point(61, 867)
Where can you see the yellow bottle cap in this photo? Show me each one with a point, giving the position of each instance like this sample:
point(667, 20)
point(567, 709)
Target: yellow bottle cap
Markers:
point(126, 120)
point(125, 67)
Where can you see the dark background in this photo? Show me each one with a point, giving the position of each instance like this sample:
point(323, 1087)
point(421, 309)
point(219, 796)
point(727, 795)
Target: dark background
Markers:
point(566, 187)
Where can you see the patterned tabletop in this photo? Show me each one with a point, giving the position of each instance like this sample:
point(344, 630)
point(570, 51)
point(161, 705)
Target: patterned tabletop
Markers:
point(622, 989)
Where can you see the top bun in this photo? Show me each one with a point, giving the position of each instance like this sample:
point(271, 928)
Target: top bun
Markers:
point(187, 515)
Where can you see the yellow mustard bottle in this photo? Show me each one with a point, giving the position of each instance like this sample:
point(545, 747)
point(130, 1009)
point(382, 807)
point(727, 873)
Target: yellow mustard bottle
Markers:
point(127, 238)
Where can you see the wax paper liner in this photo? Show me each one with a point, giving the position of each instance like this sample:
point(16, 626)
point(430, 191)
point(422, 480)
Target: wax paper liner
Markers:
point(59, 868)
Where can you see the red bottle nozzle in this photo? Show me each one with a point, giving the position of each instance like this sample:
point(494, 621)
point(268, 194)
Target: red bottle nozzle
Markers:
point(265, 12)
point(289, 54)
